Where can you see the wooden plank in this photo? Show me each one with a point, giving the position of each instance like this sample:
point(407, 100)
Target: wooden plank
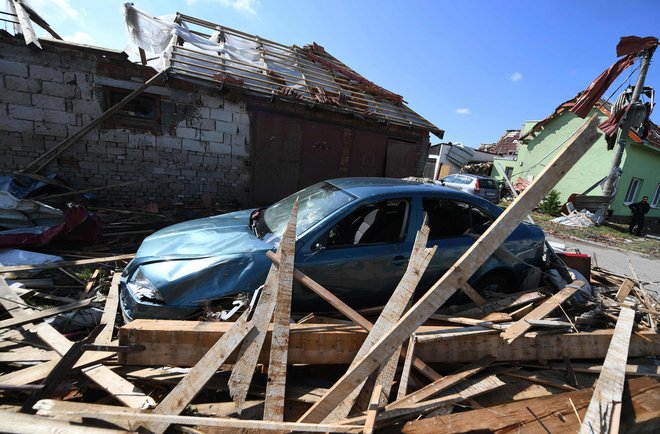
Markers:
point(246, 362)
point(506, 303)
point(518, 328)
point(523, 416)
point(420, 257)
point(279, 347)
point(624, 290)
point(132, 418)
point(110, 311)
point(405, 371)
point(40, 371)
point(372, 411)
point(121, 389)
point(470, 321)
point(459, 273)
point(442, 384)
point(605, 407)
point(183, 343)
point(25, 354)
point(90, 284)
point(38, 315)
point(62, 264)
point(13, 422)
point(473, 294)
point(186, 390)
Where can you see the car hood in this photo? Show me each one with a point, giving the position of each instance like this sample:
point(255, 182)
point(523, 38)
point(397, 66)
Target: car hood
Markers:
point(203, 259)
point(224, 234)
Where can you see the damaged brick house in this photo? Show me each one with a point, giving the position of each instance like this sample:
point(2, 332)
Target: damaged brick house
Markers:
point(244, 125)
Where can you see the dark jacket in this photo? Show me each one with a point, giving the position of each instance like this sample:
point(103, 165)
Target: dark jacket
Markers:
point(639, 208)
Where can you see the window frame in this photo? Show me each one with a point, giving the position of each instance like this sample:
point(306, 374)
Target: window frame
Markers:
point(656, 196)
point(633, 189)
point(123, 120)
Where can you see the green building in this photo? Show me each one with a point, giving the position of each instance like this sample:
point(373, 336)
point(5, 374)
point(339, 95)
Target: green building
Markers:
point(540, 141)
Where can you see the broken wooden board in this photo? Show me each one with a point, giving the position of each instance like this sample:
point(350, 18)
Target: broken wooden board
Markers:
point(186, 390)
point(132, 419)
point(279, 345)
point(183, 343)
point(38, 315)
point(624, 290)
point(518, 328)
point(27, 423)
point(503, 304)
point(63, 264)
point(604, 412)
point(547, 414)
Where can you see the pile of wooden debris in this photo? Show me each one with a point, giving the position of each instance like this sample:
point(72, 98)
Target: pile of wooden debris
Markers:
point(528, 362)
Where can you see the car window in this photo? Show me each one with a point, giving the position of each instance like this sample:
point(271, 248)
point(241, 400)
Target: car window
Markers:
point(373, 223)
point(314, 204)
point(487, 183)
point(450, 218)
point(466, 180)
point(449, 178)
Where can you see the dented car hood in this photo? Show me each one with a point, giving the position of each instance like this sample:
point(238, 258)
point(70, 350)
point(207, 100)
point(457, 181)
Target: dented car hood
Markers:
point(204, 259)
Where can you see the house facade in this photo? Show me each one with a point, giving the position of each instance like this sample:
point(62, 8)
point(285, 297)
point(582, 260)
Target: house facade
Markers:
point(199, 135)
point(541, 141)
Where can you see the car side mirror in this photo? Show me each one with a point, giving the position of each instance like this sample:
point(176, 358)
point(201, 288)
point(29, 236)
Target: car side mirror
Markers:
point(317, 247)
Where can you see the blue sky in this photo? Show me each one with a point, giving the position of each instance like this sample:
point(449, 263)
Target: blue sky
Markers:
point(473, 68)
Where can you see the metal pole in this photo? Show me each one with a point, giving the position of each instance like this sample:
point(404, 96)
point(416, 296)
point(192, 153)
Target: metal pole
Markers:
point(438, 164)
point(625, 130)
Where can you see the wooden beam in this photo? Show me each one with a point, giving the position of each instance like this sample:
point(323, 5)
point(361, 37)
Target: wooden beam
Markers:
point(473, 294)
point(110, 311)
point(27, 423)
point(624, 290)
point(279, 346)
point(132, 418)
point(63, 264)
point(405, 371)
point(445, 383)
point(372, 411)
point(186, 390)
point(506, 303)
point(604, 410)
point(518, 328)
point(183, 343)
point(38, 315)
point(246, 362)
point(514, 416)
point(90, 284)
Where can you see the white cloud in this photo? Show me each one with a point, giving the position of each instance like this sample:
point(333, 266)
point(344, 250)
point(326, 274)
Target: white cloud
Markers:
point(81, 38)
point(516, 76)
point(463, 111)
point(59, 9)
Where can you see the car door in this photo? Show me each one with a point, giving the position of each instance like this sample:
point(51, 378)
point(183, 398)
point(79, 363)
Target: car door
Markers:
point(360, 256)
point(449, 224)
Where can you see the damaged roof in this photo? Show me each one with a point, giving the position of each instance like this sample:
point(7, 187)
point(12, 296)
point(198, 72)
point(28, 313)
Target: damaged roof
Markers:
point(308, 75)
point(506, 145)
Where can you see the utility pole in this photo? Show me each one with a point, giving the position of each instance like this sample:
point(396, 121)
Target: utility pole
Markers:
point(625, 129)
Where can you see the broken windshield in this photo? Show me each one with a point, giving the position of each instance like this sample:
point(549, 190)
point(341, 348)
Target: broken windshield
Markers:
point(314, 204)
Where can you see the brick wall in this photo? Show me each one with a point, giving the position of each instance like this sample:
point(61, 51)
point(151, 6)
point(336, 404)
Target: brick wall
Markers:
point(198, 146)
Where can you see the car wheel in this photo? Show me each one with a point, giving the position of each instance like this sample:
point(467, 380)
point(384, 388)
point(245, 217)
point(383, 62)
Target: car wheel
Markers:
point(496, 283)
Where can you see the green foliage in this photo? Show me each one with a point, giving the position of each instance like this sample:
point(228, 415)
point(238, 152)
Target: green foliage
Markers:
point(551, 205)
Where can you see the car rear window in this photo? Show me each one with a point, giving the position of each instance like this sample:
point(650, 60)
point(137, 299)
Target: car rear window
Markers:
point(487, 183)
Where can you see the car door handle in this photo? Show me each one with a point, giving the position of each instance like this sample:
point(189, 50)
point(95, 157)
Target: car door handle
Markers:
point(399, 260)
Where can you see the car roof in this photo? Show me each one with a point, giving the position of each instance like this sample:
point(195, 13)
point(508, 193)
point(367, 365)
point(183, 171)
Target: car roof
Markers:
point(366, 187)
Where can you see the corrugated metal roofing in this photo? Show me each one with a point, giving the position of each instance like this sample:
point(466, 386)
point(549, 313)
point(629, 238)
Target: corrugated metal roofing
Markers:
point(309, 74)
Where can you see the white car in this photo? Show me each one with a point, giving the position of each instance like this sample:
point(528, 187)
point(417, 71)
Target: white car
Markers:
point(482, 186)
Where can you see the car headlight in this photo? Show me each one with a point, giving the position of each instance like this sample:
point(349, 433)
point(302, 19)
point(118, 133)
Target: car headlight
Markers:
point(143, 288)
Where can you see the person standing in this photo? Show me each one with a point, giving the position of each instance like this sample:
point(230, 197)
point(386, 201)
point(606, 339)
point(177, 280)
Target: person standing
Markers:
point(639, 209)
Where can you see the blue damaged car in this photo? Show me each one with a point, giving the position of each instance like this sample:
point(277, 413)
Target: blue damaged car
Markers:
point(354, 237)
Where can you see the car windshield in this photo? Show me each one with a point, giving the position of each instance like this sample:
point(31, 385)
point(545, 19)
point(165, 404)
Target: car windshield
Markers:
point(314, 204)
point(487, 183)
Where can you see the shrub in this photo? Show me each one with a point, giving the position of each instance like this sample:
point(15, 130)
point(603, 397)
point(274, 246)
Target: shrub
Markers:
point(551, 205)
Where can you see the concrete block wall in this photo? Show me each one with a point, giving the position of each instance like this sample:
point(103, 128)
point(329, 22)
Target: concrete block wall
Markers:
point(200, 147)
